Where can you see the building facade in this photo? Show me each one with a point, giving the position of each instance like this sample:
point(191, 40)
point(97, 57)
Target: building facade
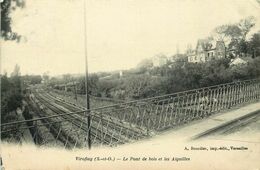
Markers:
point(206, 51)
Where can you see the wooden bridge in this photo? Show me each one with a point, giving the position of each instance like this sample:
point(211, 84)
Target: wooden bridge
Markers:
point(59, 122)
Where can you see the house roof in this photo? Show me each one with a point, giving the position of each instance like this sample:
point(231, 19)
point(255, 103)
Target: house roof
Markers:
point(240, 60)
point(205, 44)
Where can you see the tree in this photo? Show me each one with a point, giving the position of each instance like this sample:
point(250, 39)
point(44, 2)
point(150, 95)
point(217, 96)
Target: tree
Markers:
point(144, 65)
point(66, 78)
point(36, 79)
point(16, 71)
point(219, 33)
point(254, 68)
point(235, 34)
point(242, 46)
point(138, 86)
point(6, 7)
point(11, 97)
point(46, 76)
point(5, 84)
point(254, 45)
point(93, 82)
point(16, 78)
point(245, 26)
point(31, 79)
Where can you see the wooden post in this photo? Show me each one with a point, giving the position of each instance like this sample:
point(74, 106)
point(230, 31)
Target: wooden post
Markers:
point(1, 163)
point(102, 130)
point(75, 90)
point(86, 76)
point(36, 133)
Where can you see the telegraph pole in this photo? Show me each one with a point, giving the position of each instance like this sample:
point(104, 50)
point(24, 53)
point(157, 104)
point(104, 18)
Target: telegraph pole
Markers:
point(75, 90)
point(1, 161)
point(86, 77)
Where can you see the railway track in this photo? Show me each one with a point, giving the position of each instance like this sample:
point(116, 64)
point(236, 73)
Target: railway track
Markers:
point(79, 122)
point(128, 127)
point(113, 132)
point(53, 127)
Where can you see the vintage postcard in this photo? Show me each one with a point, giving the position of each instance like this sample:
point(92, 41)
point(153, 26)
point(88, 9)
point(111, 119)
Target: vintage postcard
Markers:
point(130, 84)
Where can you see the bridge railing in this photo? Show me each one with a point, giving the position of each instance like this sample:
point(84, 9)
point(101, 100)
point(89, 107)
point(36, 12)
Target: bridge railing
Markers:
point(56, 130)
point(125, 122)
point(158, 113)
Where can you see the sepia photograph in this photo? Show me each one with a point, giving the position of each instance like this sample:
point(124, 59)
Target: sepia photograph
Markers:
point(127, 84)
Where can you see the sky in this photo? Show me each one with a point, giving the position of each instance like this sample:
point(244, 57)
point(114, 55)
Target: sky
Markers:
point(119, 33)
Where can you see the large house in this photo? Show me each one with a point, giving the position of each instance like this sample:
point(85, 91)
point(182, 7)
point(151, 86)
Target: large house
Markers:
point(206, 51)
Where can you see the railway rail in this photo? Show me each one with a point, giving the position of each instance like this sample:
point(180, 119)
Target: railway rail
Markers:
point(79, 121)
point(55, 125)
point(106, 130)
point(230, 126)
point(107, 118)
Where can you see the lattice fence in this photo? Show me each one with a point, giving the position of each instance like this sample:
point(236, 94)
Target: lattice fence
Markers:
point(60, 123)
